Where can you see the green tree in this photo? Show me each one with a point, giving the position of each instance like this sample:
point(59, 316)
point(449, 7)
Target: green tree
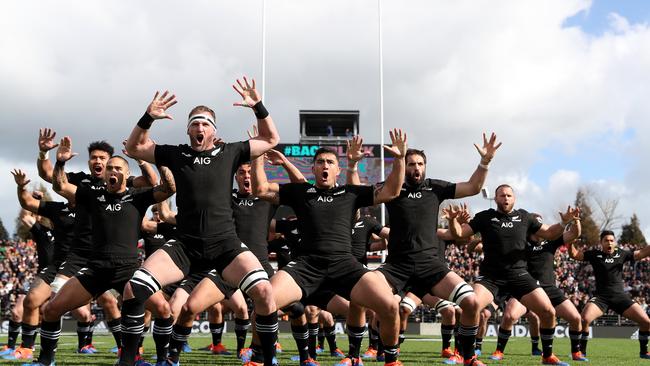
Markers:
point(590, 230)
point(632, 233)
point(22, 231)
point(4, 235)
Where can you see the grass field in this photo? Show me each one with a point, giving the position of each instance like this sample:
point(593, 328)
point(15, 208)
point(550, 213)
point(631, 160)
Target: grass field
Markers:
point(414, 352)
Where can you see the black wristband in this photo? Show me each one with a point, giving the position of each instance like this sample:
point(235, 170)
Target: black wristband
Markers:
point(260, 110)
point(145, 121)
point(59, 164)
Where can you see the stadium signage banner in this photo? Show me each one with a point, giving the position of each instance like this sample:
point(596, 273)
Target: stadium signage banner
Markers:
point(308, 150)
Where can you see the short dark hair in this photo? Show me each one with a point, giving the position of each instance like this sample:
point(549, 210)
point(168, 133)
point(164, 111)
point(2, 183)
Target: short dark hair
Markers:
point(121, 158)
point(502, 186)
point(410, 152)
point(325, 150)
point(202, 108)
point(101, 146)
point(604, 233)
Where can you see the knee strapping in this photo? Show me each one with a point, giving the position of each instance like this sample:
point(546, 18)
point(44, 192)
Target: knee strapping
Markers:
point(295, 310)
point(143, 284)
point(461, 291)
point(441, 304)
point(408, 303)
point(252, 279)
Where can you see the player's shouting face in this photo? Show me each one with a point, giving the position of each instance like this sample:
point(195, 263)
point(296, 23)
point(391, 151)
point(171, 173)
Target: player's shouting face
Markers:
point(326, 170)
point(97, 162)
point(117, 170)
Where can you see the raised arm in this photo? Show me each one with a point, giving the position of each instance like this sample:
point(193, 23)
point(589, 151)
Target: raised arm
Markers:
point(475, 183)
point(575, 230)
point(277, 158)
point(59, 179)
point(148, 177)
point(575, 252)
point(260, 186)
point(552, 232)
point(139, 145)
point(456, 216)
point(26, 200)
point(45, 144)
point(354, 154)
point(166, 213)
point(268, 136)
point(642, 253)
point(167, 186)
point(393, 184)
point(148, 225)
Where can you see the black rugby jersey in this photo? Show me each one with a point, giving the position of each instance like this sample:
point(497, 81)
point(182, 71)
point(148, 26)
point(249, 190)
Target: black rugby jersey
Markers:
point(362, 236)
point(325, 216)
point(541, 259)
point(116, 220)
point(414, 220)
point(63, 222)
point(82, 244)
point(203, 187)
point(287, 248)
point(252, 217)
point(44, 239)
point(608, 269)
point(504, 239)
point(154, 241)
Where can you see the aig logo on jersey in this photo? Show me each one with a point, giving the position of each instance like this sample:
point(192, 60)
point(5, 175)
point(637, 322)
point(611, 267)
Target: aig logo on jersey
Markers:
point(325, 199)
point(245, 203)
point(507, 224)
point(415, 195)
point(114, 207)
point(609, 260)
point(202, 160)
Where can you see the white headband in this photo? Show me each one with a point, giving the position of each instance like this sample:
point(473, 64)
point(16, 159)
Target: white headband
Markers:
point(201, 117)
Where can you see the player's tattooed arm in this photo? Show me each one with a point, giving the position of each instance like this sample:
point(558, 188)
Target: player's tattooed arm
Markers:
point(277, 158)
point(45, 144)
point(149, 226)
point(60, 182)
point(167, 186)
point(149, 178)
point(27, 201)
point(475, 183)
point(139, 145)
point(166, 213)
point(393, 184)
point(354, 153)
point(260, 186)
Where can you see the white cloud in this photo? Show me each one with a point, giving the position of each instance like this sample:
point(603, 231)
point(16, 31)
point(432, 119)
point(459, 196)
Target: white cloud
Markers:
point(452, 70)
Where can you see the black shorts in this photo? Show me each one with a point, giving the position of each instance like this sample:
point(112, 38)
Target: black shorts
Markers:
point(419, 277)
point(189, 260)
point(320, 298)
point(618, 303)
point(48, 273)
point(340, 273)
point(101, 276)
point(191, 281)
point(72, 264)
point(555, 294)
point(517, 283)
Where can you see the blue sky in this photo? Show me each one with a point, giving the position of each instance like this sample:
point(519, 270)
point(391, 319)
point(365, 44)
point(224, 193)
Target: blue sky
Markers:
point(595, 21)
